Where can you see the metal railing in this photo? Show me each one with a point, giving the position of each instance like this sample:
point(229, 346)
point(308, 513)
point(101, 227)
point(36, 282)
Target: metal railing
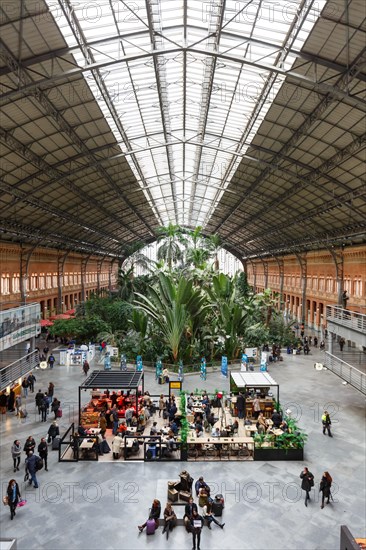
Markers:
point(350, 374)
point(347, 318)
point(11, 373)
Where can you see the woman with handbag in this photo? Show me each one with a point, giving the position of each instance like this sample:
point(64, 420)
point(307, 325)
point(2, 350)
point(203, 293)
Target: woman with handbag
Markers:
point(13, 495)
point(324, 487)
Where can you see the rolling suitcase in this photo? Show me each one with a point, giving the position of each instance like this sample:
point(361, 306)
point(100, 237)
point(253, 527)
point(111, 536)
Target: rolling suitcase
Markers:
point(150, 527)
point(56, 444)
point(218, 505)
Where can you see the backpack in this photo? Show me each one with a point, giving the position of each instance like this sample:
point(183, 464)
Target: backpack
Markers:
point(39, 463)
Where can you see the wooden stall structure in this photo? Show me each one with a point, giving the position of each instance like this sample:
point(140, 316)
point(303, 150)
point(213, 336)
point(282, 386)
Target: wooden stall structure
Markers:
point(251, 384)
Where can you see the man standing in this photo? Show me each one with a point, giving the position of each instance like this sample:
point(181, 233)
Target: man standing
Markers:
point(31, 380)
point(114, 418)
point(307, 483)
point(326, 421)
point(43, 451)
point(30, 468)
point(197, 524)
point(39, 400)
point(240, 404)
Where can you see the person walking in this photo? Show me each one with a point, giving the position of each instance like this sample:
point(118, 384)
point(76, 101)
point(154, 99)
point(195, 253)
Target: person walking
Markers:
point(13, 495)
point(326, 421)
point(197, 524)
point(51, 361)
point(53, 431)
point(3, 403)
point(161, 404)
point(25, 385)
point(43, 451)
point(29, 445)
point(86, 367)
point(51, 389)
point(16, 451)
point(307, 483)
point(30, 469)
point(44, 408)
point(209, 517)
point(342, 341)
point(39, 400)
point(324, 487)
point(55, 406)
point(18, 403)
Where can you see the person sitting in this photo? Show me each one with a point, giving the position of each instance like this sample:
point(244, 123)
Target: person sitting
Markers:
point(174, 427)
point(188, 514)
point(283, 426)
point(201, 484)
point(82, 431)
point(154, 430)
point(155, 512)
point(215, 432)
point(170, 519)
point(199, 431)
point(211, 419)
point(276, 419)
point(261, 424)
point(171, 442)
point(232, 428)
point(122, 428)
point(209, 517)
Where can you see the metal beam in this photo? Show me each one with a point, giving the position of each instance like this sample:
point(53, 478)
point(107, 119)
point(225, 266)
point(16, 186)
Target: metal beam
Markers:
point(70, 132)
point(298, 78)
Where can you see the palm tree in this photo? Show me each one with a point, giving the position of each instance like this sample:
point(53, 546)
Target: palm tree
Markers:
point(214, 244)
point(177, 308)
point(169, 250)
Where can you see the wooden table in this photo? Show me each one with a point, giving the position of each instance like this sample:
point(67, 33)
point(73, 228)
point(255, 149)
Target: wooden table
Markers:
point(86, 444)
point(218, 440)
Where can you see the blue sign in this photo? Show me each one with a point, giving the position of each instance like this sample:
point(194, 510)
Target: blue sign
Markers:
point(139, 366)
point(180, 371)
point(224, 366)
point(107, 361)
point(158, 369)
point(244, 362)
point(123, 366)
point(203, 369)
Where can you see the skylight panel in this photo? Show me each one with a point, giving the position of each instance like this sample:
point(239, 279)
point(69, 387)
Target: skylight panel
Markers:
point(226, 100)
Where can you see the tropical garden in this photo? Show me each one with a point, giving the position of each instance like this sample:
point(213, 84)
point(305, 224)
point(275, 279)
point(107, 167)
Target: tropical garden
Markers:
point(182, 309)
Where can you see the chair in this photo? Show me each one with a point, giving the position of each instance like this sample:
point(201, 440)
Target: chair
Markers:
point(224, 452)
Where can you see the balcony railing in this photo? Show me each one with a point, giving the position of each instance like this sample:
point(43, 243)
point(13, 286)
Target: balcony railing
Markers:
point(12, 372)
point(347, 318)
point(350, 374)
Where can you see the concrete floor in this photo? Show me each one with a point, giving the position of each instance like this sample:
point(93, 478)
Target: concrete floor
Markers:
point(99, 505)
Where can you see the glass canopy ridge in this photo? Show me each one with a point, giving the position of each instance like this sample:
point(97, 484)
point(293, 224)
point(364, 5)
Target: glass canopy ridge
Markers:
point(184, 86)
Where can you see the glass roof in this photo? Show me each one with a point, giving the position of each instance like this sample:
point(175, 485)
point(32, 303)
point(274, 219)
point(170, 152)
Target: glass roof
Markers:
point(184, 85)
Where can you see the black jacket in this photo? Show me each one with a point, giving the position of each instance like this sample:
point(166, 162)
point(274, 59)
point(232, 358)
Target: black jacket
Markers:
point(10, 495)
point(42, 449)
point(307, 481)
point(325, 486)
point(188, 509)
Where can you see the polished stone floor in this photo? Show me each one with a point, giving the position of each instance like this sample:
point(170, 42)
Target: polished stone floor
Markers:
point(99, 505)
